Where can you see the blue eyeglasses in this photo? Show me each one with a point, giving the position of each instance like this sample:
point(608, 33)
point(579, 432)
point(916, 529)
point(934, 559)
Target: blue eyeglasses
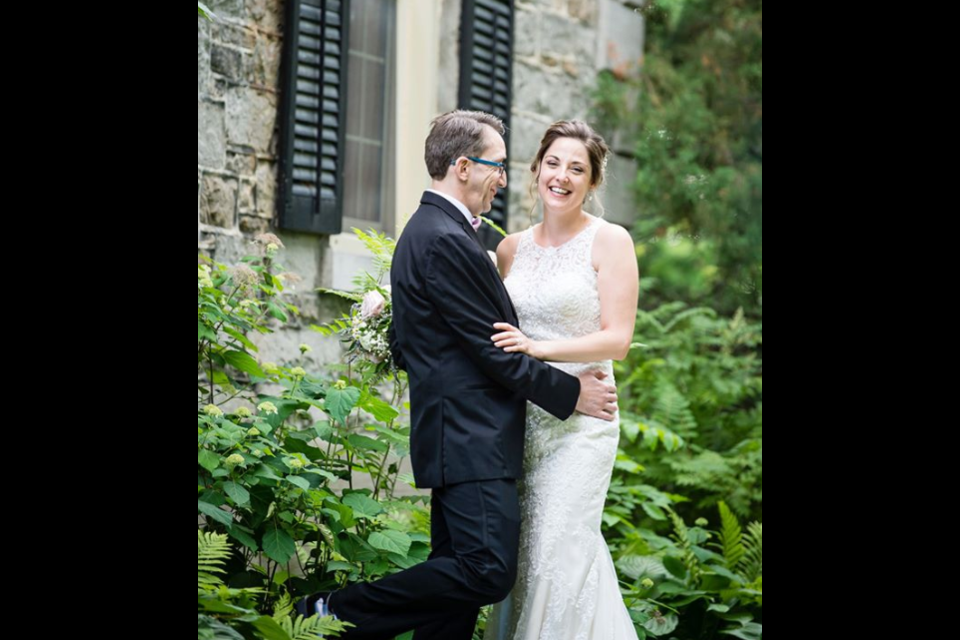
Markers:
point(501, 166)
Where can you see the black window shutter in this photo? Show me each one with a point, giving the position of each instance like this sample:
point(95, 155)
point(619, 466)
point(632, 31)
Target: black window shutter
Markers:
point(486, 71)
point(313, 115)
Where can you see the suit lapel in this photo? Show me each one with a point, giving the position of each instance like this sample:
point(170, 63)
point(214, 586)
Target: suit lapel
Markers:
point(448, 208)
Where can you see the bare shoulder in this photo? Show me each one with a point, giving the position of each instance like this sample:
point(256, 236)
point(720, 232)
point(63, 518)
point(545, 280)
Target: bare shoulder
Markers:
point(506, 250)
point(612, 234)
point(612, 242)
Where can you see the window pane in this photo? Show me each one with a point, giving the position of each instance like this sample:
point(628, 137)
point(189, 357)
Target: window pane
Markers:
point(370, 107)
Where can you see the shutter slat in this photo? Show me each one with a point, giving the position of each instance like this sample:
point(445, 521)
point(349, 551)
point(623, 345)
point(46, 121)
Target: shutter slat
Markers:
point(484, 43)
point(310, 12)
point(314, 87)
point(307, 102)
point(306, 146)
point(308, 72)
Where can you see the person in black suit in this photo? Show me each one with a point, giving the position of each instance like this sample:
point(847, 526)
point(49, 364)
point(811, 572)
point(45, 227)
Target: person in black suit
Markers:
point(468, 399)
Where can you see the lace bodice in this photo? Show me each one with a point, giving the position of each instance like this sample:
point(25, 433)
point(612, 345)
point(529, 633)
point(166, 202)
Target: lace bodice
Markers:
point(555, 288)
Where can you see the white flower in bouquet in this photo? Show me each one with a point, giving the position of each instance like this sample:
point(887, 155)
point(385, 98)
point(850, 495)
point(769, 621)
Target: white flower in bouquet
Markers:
point(369, 324)
point(373, 304)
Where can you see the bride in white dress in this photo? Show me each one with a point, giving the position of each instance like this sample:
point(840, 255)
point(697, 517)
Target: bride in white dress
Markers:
point(574, 281)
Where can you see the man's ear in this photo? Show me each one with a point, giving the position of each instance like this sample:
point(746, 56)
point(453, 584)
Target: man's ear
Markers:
point(462, 168)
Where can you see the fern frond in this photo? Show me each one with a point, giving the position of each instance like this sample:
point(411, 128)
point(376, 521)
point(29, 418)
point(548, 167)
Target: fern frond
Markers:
point(672, 409)
point(354, 297)
point(646, 318)
point(312, 628)
point(662, 314)
point(363, 281)
point(751, 565)
point(379, 244)
point(731, 537)
point(282, 608)
point(213, 550)
point(682, 537)
point(331, 328)
point(695, 312)
point(212, 629)
point(382, 248)
point(700, 471)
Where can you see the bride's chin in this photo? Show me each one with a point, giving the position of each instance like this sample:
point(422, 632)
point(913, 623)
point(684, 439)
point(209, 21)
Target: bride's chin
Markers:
point(558, 207)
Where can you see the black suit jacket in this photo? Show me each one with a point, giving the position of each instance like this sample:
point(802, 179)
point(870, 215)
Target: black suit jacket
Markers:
point(467, 397)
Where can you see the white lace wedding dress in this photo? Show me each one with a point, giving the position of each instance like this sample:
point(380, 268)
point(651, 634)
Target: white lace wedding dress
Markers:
point(566, 586)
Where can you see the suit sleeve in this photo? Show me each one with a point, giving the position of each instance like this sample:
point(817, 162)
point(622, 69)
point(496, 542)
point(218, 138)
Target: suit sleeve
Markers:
point(466, 299)
point(395, 352)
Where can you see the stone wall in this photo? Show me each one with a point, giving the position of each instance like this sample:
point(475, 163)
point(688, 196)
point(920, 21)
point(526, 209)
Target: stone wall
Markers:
point(559, 48)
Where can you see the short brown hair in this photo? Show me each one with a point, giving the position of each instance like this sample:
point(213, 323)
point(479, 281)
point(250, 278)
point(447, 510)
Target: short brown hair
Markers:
point(454, 134)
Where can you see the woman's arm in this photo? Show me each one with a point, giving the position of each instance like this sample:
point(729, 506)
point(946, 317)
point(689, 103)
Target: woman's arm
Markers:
point(618, 283)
